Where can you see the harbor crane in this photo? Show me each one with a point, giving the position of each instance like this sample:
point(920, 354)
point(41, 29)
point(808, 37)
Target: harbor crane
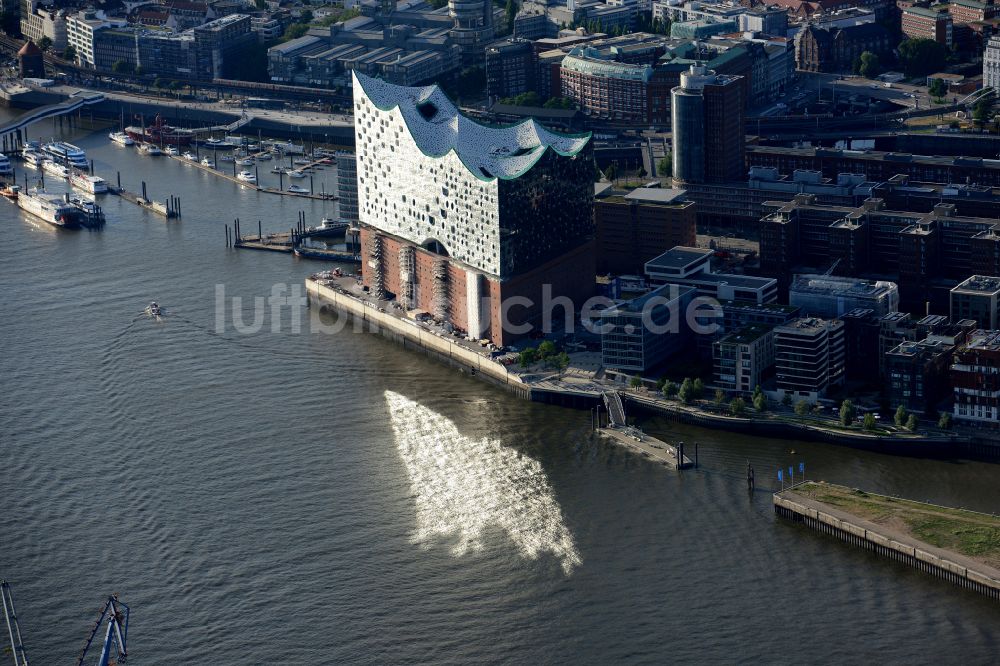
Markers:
point(115, 614)
point(13, 628)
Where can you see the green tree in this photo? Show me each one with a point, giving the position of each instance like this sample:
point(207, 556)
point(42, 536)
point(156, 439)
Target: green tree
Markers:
point(870, 67)
point(635, 382)
point(720, 397)
point(69, 53)
point(294, 31)
point(545, 349)
point(669, 389)
point(937, 88)
point(686, 391)
point(911, 423)
point(737, 406)
point(306, 16)
point(944, 421)
point(786, 399)
point(760, 402)
point(559, 103)
point(802, 408)
point(697, 388)
point(510, 11)
point(527, 356)
point(44, 43)
point(922, 56)
point(983, 109)
point(901, 415)
point(611, 172)
point(869, 422)
point(847, 413)
point(560, 362)
point(123, 67)
point(665, 166)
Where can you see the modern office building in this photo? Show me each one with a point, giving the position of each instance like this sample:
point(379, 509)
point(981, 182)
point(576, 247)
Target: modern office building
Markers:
point(977, 298)
point(640, 334)
point(917, 374)
point(708, 127)
point(457, 218)
point(81, 31)
point(926, 23)
point(809, 357)
point(925, 253)
point(636, 226)
point(991, 63)
point(473, 26)
point(861, 338)
point(975, 378)
point(691, 267)
point(39, 22)
point(832, 296)
point(877, 166)
point(742, 359)
point(511, 67)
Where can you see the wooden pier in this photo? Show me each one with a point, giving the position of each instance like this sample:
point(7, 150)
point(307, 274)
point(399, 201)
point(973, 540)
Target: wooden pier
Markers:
point(255, 186)
point(287, 242)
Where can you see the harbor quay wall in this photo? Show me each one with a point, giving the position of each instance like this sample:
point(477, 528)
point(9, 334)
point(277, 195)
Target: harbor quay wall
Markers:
point(412, 336)
point(923, 446)
point(871, 540)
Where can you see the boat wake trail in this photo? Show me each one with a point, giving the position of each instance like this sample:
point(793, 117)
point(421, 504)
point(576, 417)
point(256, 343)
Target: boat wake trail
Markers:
point(465, 487)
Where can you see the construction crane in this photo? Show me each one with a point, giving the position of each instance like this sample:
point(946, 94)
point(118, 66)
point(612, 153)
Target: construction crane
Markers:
point(115, 613)
point(13, 628)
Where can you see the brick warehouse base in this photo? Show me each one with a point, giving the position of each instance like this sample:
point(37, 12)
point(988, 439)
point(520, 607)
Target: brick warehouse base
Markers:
point(442, 287)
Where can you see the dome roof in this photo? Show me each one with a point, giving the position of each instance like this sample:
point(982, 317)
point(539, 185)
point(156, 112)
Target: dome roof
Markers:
point(29, 48)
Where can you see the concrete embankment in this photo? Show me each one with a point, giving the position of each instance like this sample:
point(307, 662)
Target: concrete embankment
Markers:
point(890, 543)
point(911, 445)
point(412, 336)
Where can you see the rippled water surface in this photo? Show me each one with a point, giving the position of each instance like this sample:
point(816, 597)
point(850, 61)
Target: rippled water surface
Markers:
point(285, 497)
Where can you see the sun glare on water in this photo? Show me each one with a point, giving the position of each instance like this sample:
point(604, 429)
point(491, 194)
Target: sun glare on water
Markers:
point(465, 487)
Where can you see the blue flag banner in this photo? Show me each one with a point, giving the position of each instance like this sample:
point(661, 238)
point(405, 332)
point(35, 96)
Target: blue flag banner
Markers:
point(791, 473)
point(802, 468)
point(779, 475)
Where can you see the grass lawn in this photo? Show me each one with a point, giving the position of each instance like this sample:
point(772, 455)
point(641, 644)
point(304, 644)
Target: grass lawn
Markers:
point(972, 534)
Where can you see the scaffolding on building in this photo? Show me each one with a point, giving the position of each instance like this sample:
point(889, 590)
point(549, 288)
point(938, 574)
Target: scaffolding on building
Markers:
point(406, 277)
point(375, 263)
point(441, 289)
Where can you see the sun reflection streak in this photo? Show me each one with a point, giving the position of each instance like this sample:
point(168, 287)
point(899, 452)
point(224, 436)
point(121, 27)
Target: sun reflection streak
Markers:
point(465, 486)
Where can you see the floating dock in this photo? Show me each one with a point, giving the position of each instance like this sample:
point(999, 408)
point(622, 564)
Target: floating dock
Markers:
point(648, 446)
point(887, 526)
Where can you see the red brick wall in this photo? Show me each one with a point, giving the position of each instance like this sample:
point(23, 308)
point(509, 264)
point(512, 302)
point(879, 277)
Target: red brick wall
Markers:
point(571, 275)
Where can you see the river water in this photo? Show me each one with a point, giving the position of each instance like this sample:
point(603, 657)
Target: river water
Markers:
point(305, 497)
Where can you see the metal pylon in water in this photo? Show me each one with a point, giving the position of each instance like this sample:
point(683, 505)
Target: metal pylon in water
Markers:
point(13, 628)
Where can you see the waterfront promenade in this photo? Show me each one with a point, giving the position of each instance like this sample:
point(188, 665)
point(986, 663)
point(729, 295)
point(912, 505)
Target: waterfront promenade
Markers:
point(583, 383)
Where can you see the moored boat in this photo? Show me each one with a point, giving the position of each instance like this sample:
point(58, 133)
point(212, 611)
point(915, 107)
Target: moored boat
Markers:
point(296, 189)
point(5, 166)
point(121, 138)
point(161, 133)
point(295, 173)
point(32, 159)
point(87, 183)
point(246, 177)
point(150, 149)
point(52, 208)
point(63, 152)
point(55, 169)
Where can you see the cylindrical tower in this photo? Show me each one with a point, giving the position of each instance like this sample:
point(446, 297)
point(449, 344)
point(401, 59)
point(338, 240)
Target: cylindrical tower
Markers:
point(473, 25)
point(687, 114)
